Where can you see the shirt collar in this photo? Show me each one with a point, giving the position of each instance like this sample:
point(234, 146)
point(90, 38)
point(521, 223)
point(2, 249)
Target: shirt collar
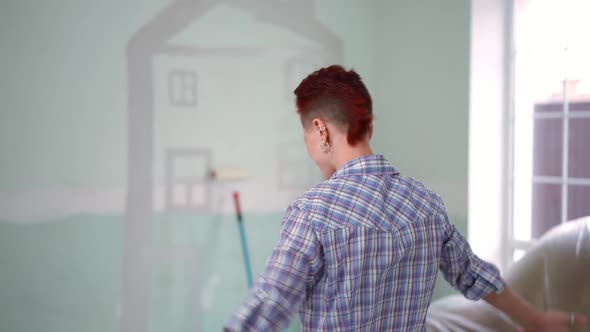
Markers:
point(366, 165)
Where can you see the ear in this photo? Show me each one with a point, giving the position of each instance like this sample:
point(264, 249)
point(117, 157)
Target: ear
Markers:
point(370, 131)
point(320, 126)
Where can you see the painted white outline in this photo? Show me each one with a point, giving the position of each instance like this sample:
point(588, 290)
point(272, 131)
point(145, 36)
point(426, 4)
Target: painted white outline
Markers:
point(149, 41)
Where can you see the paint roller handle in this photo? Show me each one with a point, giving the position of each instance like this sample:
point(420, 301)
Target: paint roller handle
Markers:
point(237, 205)
point(243, 239)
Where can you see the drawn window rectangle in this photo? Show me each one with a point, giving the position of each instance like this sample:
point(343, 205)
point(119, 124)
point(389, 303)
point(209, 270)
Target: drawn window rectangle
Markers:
point(182, 88)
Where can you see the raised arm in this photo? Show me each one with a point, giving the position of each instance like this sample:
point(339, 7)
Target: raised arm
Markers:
point(478, 279)
point(522, 312)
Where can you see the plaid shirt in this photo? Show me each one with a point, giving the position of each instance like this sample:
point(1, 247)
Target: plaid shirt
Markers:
point(361, 252)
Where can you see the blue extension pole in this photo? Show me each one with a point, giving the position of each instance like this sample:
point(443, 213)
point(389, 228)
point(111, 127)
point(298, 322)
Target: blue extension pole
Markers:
point(243, 238)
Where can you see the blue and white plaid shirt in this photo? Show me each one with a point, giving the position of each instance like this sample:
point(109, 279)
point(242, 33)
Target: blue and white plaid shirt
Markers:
point(361, 252)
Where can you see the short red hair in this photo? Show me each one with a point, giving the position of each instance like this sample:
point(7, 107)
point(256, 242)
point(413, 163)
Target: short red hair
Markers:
point(337, 95)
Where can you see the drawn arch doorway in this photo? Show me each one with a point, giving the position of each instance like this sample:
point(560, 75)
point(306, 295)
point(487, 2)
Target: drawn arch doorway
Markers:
point(171, 73)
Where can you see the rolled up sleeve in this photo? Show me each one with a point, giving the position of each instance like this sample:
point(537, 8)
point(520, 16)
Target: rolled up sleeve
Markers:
point(472, 276)
point(280, 290)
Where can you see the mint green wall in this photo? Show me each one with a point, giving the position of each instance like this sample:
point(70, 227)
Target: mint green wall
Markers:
point(64, 84)
point(422, 94)
point(422, 97)
point(423, 84)
point(63, 122)
point(64, 104)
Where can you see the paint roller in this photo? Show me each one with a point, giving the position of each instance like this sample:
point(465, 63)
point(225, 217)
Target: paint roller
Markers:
point(229, 174)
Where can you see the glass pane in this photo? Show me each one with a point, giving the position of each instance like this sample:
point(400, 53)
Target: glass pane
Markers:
point(546, 207)
point(550, 106)
point(578, 202)
point(549, 24)
point(517, 255)
point(578, 79)
point(537, 131)
point(547, 147)
point(579, 106)
point(579, 148)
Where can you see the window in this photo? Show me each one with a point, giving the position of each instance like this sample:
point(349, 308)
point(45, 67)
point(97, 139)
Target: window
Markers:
point(550, 171)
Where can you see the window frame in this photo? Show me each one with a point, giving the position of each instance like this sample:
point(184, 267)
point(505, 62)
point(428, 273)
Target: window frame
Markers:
point(515, 246)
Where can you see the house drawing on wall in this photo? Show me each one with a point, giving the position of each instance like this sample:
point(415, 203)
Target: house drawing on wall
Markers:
point(188, 82)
